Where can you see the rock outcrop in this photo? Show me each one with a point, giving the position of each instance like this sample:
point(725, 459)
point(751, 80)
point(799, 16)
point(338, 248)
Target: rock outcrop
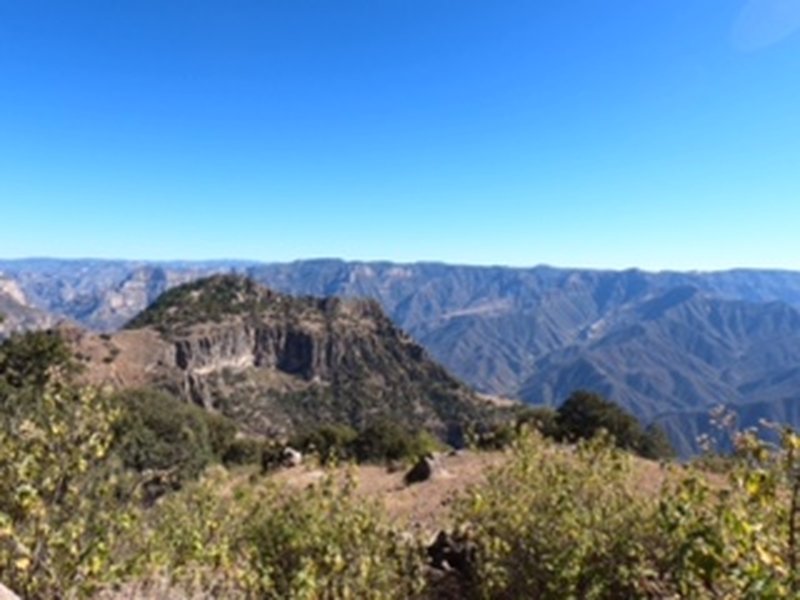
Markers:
point(274, 362)
point(16, 314)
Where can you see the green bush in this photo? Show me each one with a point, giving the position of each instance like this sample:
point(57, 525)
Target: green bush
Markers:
point(29, 361)
point(383, 441)
point(244, 451)
point(541, 418)
point(330, 443)
point(158, 433)
point(62, 499)
point(386, 441)
point(224, 539)
point(556, 524)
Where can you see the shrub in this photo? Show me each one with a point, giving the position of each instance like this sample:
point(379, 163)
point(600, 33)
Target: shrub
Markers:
point(61, 497)
point(244, 451)
point(330, 442)
point(221, 432)
point(29, 361)
point(383, 441)
point(556, 524)
point(252, 540)
point(387, 441)
point(541, 418)
point(159, 433)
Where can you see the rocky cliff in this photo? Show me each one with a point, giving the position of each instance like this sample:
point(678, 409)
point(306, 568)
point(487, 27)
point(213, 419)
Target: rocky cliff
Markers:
point(275, 362)
point(16, 314)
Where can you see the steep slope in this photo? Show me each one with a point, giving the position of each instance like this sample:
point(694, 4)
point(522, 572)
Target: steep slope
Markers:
point(535, 333)
point(15, 312)
point(275, 362)
point(98, 294)
point(679, 353)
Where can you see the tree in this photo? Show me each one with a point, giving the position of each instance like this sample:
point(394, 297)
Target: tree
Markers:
point(584, 414)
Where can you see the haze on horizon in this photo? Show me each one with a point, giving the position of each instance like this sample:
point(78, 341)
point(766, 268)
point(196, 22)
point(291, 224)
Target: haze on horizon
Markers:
point(660, 136)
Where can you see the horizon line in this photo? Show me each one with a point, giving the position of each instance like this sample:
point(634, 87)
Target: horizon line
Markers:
point(233, 262)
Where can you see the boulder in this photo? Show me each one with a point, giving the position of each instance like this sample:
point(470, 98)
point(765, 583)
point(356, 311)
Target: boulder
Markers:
point(291, 458)
point(427, 467)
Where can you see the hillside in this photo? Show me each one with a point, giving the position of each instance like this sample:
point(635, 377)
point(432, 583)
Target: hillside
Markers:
point(274, 363)
point(665, 345)
point(16, 314)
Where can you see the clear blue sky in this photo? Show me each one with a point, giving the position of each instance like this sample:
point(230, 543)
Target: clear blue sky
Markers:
point(603, 133)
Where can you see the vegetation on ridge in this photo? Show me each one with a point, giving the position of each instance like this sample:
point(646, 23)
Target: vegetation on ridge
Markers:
point(204, 300)
point(551, 521)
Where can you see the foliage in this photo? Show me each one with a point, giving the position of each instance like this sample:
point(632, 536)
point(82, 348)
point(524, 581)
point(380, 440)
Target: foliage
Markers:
point(230, 539)
point(330, 443)
point(541, 418)
point(555, 524)
point(157, 432)
point(388, 441)
point(59, 513)
point(382, 441)
point(584, 414)
point(28, 361)
point(205, 300)
point(245, 451)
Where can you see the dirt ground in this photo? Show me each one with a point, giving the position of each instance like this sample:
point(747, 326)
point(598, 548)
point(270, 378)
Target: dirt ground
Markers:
point(425, 507)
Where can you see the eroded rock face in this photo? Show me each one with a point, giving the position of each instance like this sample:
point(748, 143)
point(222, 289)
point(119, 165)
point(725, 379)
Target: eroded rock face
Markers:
point(272, 361)
point(16, 313)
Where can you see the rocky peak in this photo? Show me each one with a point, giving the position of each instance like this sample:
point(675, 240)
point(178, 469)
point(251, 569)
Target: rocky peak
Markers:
point(274, 361)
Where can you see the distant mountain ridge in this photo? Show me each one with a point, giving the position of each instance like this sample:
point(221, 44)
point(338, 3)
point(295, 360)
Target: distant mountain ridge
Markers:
point(664, 345)
point(16, 313)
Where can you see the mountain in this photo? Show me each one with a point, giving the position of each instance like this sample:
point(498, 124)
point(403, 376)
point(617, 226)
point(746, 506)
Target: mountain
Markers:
point(274, 362)
point(99, 294)
point(682, 353)
point(16, 314)
point(662, 344)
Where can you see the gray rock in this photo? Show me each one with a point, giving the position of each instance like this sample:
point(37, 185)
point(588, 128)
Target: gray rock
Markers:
point(291, 458)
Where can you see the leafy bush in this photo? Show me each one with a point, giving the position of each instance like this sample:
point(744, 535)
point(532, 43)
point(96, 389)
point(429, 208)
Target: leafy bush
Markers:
point(383, 441)
point(59, 491)
point(541, 418)
point(29, 361)
point(561, 523)
point(162, 434)
point(330, 442)
point(252, 540)
point(244, 451)
point(387, 441)
point(556, 524)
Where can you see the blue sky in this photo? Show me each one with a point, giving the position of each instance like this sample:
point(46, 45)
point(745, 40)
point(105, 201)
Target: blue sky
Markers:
point(658, 134)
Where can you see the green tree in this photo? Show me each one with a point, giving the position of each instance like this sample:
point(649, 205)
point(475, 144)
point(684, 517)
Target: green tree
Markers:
point(584, 414)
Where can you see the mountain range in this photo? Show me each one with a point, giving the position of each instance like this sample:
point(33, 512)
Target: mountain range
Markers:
point(667, 346)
